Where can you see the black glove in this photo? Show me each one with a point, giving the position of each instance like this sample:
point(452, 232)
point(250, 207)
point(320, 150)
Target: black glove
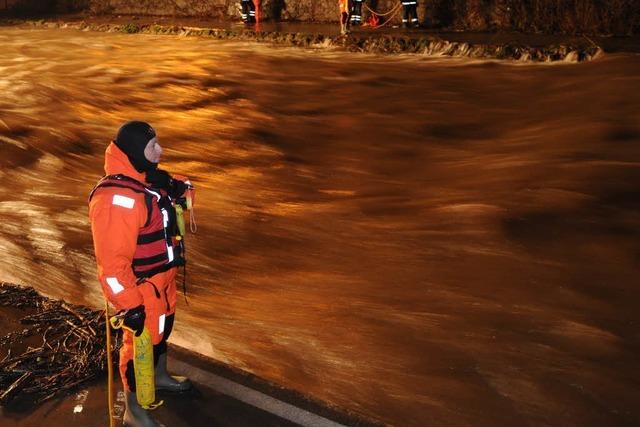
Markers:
point(134, 319)
point(161, 179)
point(177, 188)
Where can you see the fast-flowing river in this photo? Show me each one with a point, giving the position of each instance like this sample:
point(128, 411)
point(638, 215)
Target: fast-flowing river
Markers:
point(426, 241)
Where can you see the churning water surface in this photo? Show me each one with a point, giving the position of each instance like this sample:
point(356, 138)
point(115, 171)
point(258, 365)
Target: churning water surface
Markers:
point(425, 241)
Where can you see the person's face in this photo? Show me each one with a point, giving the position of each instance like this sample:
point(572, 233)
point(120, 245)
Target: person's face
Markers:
point(153, 151)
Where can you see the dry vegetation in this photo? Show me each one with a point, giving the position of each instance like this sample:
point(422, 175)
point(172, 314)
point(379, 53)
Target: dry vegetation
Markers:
point(58, 347)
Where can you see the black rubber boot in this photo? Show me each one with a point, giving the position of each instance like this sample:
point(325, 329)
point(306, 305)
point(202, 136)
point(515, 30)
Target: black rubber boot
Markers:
point(166, 382)
point(135, 415)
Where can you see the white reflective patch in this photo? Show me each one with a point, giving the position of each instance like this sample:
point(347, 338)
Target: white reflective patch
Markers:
point(125, 202)
point(170, 253)
point(161, 324)
point(115, 286)
point(77, 409)
point(157, 195)
point(165, 218)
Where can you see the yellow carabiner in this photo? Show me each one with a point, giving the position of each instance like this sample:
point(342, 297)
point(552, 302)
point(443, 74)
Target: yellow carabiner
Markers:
point(117, 322)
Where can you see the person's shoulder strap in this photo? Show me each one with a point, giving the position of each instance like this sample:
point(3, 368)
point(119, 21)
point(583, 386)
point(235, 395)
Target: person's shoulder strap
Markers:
point(123, 181)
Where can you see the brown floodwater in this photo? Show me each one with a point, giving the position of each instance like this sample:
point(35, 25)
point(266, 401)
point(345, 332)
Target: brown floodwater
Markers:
point(425, 241)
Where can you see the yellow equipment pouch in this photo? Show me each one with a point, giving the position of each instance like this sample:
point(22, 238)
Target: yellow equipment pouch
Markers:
point(180, 220)
point(143, 365)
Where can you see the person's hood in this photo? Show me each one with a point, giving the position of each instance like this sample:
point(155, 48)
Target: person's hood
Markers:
point(117, 162)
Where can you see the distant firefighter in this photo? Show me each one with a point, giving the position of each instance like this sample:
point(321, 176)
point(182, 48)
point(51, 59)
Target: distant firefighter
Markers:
point(410, 13)
point(356, 12)
point(344, 15)
point(248, 11)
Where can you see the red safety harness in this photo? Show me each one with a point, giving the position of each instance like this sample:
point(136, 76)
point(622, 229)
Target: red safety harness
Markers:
point(158, 247)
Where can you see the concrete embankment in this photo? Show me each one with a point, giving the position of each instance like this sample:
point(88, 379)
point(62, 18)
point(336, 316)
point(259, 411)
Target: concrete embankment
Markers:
point(366, 40)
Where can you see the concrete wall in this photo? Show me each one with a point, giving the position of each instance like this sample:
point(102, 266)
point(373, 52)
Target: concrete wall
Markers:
point(201, 8)
point(6, 4)
point(298, 10)
point(618, 17)
point(549, 16)
point(43, 6)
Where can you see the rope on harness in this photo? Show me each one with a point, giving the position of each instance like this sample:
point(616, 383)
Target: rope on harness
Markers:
point(112, 422)
point(193, 227)
point(192, 221)
point(184, 283)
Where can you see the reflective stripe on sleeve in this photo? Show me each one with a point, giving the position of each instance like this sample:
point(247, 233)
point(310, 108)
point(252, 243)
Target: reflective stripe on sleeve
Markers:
point(125, 202)
point(115, 286)
point(165, 218)
point(161, 324)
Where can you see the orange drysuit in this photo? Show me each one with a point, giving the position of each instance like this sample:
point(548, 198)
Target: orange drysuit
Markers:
point(344, 6)
point(344, 11)
point(116, 216)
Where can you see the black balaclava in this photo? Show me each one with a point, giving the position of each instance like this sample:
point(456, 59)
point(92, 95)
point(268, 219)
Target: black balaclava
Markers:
point(132, 139)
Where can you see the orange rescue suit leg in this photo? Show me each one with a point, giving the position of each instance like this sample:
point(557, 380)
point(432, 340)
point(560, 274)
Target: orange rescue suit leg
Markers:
point(159, 299)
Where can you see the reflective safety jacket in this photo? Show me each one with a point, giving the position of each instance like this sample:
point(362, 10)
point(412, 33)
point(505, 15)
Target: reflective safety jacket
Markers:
point(344, 6)
point(158, 248)
point(134, 231)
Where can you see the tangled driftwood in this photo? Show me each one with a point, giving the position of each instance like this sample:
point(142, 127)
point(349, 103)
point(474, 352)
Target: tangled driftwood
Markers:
point(70, 347)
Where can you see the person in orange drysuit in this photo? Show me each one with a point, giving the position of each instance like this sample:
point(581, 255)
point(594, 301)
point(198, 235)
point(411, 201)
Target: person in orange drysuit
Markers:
point(344, 15)
point(137, 251)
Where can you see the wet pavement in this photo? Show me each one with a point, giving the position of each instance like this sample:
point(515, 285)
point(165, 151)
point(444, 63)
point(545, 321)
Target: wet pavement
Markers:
point(219, 399)
point(88, 407)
